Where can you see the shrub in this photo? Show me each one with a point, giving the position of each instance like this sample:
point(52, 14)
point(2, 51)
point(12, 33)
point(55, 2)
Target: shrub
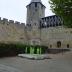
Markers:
point(10, 49)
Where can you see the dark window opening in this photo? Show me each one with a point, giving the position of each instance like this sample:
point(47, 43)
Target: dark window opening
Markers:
point(35, 4)
point(67, 45)
point(58, 44)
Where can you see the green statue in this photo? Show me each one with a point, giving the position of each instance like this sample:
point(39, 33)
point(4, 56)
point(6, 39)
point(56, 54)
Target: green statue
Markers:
point(31, 50)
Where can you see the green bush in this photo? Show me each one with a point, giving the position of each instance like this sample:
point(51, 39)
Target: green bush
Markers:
point(9, 49)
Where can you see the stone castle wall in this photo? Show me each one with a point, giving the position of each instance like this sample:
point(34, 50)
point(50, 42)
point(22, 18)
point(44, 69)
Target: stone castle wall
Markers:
point(11, 31)
point(50, 36)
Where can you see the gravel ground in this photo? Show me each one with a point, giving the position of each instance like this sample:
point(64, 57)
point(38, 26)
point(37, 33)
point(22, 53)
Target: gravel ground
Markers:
point(58, 63)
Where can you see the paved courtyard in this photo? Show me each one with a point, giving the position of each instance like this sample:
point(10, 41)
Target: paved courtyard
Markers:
point(5, 68)
point(58, 63)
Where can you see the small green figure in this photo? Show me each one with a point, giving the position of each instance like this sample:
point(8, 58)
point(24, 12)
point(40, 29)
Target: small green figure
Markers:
point(31, 50)
point(38, 51)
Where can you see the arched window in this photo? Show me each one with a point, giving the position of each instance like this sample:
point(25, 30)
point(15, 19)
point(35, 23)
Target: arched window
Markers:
point(35, 4)
point(59, 44)
point(67, 45)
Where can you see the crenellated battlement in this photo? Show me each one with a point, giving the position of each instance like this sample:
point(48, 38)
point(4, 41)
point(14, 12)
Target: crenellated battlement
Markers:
point(6, 21)
point(11, 21)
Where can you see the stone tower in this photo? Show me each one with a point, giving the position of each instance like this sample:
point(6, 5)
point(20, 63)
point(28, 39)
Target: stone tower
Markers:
point(35, 11)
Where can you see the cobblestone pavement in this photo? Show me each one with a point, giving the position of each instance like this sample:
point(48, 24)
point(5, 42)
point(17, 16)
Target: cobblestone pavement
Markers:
point(58, 63)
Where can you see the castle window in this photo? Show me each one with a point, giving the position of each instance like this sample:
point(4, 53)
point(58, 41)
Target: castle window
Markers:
point(35, 4)
point(59, 44)
point(67, 45)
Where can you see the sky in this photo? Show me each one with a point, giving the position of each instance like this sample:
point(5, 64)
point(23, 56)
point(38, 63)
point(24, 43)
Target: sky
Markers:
point(16, 9)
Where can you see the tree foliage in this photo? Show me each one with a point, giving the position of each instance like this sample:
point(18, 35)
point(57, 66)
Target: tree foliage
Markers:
point(63, 8)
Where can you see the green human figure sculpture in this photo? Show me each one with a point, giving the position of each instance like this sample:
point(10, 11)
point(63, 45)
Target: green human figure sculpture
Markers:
point(38, 51)
point(31, 50)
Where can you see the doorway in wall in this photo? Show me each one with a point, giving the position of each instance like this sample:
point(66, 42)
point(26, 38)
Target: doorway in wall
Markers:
point(58, 44)
point(67, 45)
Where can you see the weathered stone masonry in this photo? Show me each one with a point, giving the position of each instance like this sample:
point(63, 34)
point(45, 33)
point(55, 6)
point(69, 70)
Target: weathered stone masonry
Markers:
point(38, 30)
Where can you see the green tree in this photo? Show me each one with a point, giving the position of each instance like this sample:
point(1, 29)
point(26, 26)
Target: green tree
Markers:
point(63, 8)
